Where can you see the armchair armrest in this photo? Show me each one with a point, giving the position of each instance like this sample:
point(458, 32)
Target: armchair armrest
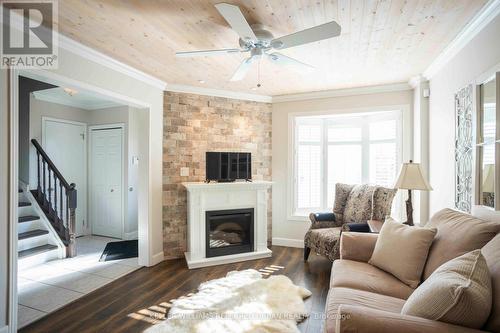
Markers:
point(322, 217)
point(362, 319)
point(357, 246)
point(323, 220)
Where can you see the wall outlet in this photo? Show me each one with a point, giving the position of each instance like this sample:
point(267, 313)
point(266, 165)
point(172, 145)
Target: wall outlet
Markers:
point(184, 172)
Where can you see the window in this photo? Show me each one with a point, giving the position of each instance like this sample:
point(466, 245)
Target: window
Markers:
point(353, 149)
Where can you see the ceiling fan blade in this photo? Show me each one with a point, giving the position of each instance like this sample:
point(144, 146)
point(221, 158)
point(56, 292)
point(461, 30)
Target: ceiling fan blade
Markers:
point(242, 70)
point(282, 59)
point(314, 34)
point(233, 15)
point(206, 53)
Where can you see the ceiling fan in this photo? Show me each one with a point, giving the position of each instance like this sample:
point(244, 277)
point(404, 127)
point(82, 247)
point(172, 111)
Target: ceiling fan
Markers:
point(259, 42)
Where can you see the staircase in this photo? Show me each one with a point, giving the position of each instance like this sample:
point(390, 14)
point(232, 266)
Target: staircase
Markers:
point(46, 215)
point(36, 241)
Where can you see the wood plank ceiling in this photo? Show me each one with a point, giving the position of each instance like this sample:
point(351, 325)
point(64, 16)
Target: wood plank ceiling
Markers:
point(382, 41)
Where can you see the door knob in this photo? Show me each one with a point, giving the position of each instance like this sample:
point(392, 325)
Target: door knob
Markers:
point(112, 190)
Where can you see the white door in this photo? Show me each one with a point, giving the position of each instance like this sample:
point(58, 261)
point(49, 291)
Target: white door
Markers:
point(106, 182)
point(65, 144)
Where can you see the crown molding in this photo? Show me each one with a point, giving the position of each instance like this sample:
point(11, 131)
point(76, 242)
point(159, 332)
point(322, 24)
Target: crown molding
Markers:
point(218, 93)
point(471, 30)
point(416, 81)
point(95, 56)
point(383, 88)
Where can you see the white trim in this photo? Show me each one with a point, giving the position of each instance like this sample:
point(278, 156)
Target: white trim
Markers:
point(89, 181)
point(471, 30)
point(157, 258)
point(131, 235)
point(218, 93)
point(39, 95)
point(383, 88)
point(288, 242)
point(13, 84)
point(85, 150)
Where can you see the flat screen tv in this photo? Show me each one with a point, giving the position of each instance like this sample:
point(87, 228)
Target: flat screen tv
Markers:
point(228, 167)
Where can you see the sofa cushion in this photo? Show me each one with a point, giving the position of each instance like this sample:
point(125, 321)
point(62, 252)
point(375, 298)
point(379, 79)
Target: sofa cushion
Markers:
point(342, 192)
point(358, 208)
point(363, 276)
point(347, 296)
point(457, 234)
point(491, 253)
point(382, 202)
point(458, 292)
point(402, 250)
point(324, 241)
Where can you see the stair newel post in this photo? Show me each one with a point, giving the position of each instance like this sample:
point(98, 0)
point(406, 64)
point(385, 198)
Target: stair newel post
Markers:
point(71, 196)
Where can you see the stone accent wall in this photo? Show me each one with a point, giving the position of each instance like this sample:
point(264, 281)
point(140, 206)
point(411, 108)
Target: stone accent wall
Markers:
point(193, 125)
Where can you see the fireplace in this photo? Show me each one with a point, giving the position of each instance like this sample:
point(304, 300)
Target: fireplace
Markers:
point(229, 232)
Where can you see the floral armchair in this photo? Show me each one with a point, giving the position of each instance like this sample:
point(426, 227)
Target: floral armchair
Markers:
point(354, 206)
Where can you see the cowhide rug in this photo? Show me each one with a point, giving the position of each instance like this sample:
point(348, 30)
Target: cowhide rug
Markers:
point(241, 302)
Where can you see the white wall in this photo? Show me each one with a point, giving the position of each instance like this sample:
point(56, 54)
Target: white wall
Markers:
point(291, 232)
point(480, 54)
point(82, 73)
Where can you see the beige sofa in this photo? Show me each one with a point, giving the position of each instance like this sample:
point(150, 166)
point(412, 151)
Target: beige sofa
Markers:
point(363, 298)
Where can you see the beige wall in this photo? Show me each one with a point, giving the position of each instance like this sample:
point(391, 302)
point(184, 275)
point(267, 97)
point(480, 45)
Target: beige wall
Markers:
point(477, 57)
point(195, 124)
point(292, 231)
point(114, 115)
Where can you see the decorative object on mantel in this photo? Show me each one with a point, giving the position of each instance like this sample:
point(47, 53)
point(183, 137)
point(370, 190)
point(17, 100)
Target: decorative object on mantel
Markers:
point(411, 178)
point(463, 149)
point(243, 301)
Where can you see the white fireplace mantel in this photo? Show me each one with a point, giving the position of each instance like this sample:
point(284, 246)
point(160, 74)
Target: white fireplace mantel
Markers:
point(203, 197)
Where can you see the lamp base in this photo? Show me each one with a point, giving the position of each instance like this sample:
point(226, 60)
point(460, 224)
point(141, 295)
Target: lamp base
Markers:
point(409, 210)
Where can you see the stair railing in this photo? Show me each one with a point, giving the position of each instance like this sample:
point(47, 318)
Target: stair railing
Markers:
point(57, 198)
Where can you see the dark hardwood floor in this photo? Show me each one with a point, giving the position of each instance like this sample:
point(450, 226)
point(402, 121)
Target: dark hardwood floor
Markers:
point(134, 302)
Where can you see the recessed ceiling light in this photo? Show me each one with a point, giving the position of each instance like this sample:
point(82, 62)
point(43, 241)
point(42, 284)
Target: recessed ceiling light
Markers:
point(70, 91)
point(201, 81)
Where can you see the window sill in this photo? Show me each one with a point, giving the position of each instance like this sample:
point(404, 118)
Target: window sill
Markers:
point(298, 218)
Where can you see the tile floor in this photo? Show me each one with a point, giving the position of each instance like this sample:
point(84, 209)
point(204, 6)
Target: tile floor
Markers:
point(45, 288)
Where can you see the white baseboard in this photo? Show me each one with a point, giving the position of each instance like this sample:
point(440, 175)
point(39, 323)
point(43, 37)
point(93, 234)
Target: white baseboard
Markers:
point(157, 258)
point(288, 242)
point(4, 329)
point(131, 235)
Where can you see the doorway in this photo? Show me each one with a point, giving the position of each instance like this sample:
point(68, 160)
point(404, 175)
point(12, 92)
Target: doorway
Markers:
point(106, 185)
point(65, 142)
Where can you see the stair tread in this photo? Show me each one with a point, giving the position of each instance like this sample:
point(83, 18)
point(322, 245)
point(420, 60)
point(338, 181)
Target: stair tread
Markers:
point(36, 250)
point(32, 233)
point(23, 204)
point(28, 218)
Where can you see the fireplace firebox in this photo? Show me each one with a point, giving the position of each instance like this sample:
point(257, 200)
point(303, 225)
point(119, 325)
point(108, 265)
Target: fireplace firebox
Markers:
point(229, 231)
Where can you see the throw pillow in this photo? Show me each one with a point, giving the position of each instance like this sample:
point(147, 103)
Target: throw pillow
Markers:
point(359, 204)
point(459, 292)
point(401, 250)
point(382, 202)
point(341, 194)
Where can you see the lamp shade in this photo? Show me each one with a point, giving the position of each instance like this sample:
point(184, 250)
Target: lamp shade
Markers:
point(411, 178)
